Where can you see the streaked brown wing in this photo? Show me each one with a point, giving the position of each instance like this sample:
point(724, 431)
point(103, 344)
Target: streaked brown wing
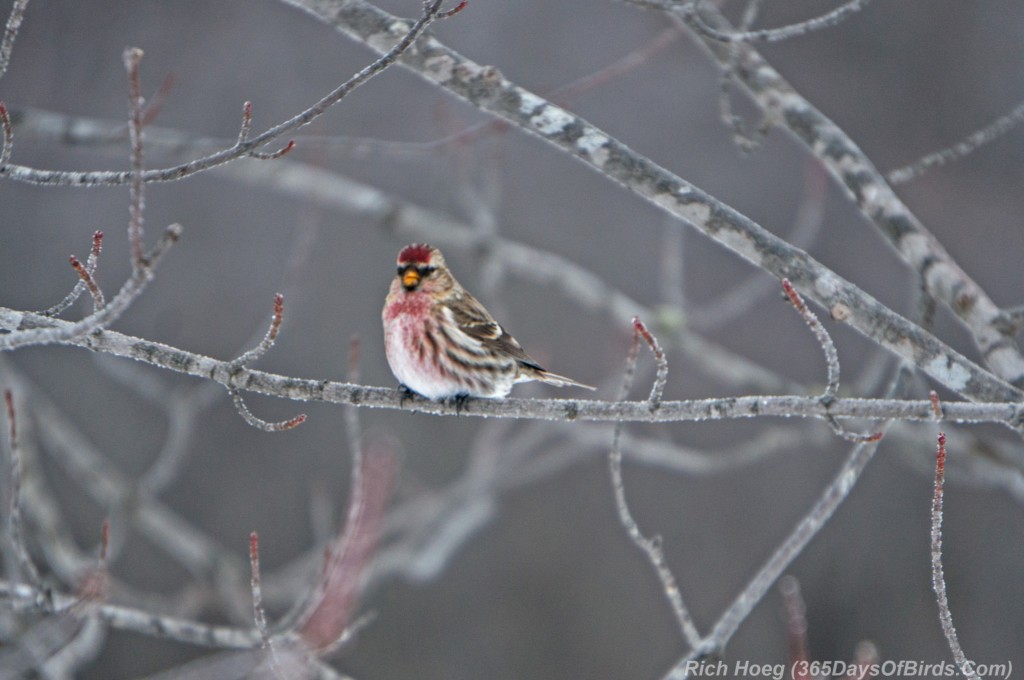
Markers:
point(475, 321)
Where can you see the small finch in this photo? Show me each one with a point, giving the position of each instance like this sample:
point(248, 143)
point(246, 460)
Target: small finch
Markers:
point(442, 343)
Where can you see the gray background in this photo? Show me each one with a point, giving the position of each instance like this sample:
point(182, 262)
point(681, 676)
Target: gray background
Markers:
point(551, 587)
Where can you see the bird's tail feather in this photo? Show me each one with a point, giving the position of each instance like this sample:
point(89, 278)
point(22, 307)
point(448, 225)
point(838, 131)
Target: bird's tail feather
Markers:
point(560, 380)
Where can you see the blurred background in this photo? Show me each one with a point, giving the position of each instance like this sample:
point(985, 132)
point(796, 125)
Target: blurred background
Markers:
point(541, 580)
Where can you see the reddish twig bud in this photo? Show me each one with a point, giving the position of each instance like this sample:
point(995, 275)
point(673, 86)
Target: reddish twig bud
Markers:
point(641, 331)
point(453, 11)
point(938, 577)
point(831, 361)
point(258, 613)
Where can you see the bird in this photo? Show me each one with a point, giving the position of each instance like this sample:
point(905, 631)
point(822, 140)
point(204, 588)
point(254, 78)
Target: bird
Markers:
point(442, 344)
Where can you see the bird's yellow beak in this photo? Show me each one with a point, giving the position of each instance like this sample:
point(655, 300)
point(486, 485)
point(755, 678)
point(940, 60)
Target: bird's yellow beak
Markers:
point(410, 278)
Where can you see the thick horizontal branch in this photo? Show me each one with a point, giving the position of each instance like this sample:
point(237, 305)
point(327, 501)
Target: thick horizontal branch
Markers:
point(231, 375)
point(487, 89)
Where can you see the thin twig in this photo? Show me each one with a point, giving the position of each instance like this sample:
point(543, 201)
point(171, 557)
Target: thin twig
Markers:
point(831, 360)
point(80, 286)
point(269, 338)
point(258, 614)
point(98, 301)
point(25, 563)
point(746, 141)
point(806, 529)
point(828, 20)
point(824, 339)
point(257, 422)
point(8, 135)
point(247, 358)
point(431, 13)
point(94, 586)
point(23, 597)
point(661, 377)
point(136, 207)
point(650, 546)
point(353, 426)
point(11, 34)
point(246, 128)
point(973, 141)
point(64, 331)
point(938, 579)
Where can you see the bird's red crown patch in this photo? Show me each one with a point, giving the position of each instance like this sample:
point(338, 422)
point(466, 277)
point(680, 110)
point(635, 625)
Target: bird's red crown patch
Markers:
point(417, 253)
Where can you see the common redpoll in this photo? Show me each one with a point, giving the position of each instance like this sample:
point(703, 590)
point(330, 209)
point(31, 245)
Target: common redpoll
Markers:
point(442, 343)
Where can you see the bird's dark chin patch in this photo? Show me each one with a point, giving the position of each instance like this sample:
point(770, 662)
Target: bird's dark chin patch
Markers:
point(411, 287)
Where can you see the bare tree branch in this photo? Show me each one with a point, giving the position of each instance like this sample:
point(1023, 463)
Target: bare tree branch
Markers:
point(405, 37)
point(943, 278)
point(938, 578)
point(182, 361)
point(14, 20)
point(969, 144)
point(650, 546)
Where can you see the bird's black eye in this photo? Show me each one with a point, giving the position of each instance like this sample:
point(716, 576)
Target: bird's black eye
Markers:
point(401, 270)
point(427, 270)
